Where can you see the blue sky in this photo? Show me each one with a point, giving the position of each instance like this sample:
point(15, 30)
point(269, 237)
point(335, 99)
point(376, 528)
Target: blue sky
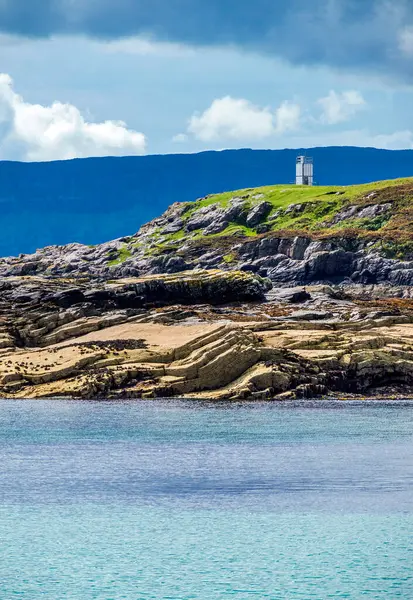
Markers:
point(99, 77)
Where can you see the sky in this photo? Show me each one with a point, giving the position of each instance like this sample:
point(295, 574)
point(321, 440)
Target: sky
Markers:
point(128, 77)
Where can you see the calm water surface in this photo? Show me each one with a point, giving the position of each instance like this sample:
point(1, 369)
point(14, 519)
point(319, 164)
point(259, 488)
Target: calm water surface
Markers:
point(183, 501)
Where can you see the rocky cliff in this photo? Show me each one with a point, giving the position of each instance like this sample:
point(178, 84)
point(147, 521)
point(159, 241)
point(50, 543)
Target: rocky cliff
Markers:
point(292, 235)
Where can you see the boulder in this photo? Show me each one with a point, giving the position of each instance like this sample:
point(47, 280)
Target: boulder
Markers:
point(295, 209)
point(299, 247)
point(360, 212)
point(258, 213)
point(203, 217)
point(268, 247)
point(175, 264)
point(325, 265)
point(173, 227)
point(370, 212)
point(236, 211)
point(216, 227)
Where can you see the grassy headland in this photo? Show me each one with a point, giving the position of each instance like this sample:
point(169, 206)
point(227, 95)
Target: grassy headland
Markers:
point(318, 212)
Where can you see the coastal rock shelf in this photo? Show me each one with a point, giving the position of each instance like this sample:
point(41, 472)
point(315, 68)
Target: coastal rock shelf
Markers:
point(264, 344)
point(212, 361)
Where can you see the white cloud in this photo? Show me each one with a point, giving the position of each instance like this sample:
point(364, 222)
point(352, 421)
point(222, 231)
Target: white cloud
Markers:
point(238, 119)
point(59, 131)
point(340, 107)
point(232, 118)
point(406, 40)
point(287, 117)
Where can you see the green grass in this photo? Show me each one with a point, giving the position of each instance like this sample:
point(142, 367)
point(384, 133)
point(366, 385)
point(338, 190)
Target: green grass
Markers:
point(321, 204)
point(123, 254)
point(229, 258)
point(367, 224)
point(172, 237)
point(282, 196)
point(237, 230)
point(395, 249)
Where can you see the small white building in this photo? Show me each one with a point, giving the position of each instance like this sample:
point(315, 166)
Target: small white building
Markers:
point(304, 171)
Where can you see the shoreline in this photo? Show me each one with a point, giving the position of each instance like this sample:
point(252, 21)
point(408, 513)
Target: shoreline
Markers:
point(316, 402)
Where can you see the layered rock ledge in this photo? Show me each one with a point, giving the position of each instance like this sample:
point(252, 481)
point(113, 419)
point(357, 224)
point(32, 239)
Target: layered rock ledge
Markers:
point(216, 335)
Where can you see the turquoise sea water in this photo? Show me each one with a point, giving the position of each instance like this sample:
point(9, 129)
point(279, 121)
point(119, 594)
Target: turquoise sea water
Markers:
point(183, 501)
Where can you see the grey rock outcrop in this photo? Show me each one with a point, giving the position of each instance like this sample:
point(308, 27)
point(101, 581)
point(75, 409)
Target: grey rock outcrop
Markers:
point(286, 261)
point(258, 213)
point(360, 212)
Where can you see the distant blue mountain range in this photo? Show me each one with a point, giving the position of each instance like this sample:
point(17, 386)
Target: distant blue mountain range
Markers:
point(98, 199)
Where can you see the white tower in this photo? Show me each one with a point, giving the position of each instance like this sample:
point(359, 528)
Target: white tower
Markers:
point(304, 171)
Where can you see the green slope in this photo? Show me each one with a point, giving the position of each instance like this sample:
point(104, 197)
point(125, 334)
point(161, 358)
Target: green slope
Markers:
point(323, 203)
point(315, 212)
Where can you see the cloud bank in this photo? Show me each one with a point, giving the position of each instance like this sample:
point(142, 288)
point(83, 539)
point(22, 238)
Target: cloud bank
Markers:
point(238, 119)
point(40, 133)
point(228, 121)
point(360, 34)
